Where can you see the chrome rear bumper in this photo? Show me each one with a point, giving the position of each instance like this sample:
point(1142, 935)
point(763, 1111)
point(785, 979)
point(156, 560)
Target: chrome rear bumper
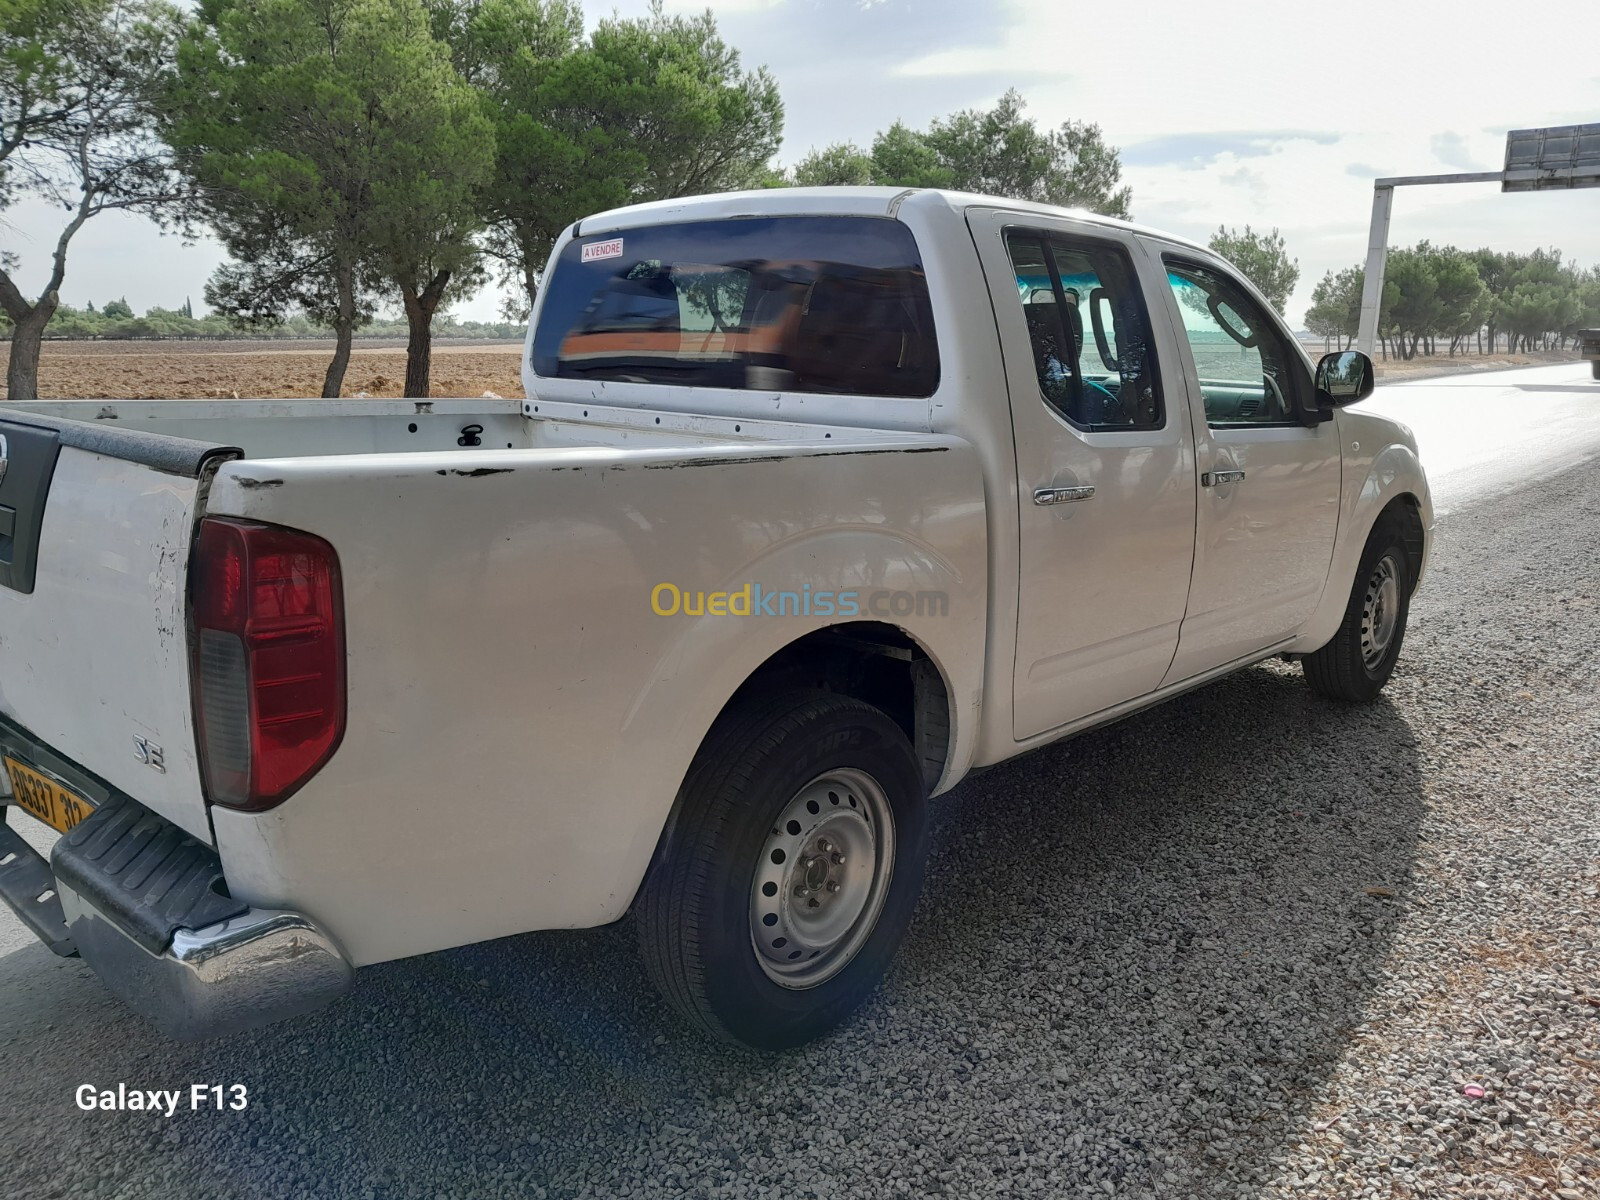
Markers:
point(260, 966)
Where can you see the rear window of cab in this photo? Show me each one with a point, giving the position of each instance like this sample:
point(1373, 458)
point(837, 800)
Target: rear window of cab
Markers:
point(804, 304)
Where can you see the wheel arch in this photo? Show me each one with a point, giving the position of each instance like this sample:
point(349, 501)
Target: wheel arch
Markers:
point(876, 662)
point(1407, 508)
point(1393, 484)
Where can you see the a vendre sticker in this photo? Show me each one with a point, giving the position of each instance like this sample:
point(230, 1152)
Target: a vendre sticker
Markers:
point(595, 251)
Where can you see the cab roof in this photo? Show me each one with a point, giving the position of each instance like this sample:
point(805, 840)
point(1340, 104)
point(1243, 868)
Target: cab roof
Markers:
point(834, 201)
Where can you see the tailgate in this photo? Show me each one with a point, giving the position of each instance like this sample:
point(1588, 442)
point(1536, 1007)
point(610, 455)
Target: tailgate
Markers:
point(95, 528)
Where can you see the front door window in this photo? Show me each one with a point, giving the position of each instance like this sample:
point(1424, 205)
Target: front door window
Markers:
point(1246, 371)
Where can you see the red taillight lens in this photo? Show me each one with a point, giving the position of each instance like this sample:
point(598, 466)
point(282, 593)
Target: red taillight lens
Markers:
point(269, 660)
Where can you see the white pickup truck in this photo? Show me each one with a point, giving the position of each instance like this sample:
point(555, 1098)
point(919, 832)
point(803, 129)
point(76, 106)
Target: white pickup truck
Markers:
point(819, 500)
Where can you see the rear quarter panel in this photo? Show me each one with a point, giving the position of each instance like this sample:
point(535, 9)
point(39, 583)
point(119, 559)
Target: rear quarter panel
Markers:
point(520, 718)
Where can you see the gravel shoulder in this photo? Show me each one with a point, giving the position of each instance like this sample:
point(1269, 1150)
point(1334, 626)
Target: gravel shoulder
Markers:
point(1251, 943)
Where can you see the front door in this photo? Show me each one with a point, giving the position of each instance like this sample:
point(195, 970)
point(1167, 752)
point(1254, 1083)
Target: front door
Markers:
point(1269, 485)
point(1105, 468)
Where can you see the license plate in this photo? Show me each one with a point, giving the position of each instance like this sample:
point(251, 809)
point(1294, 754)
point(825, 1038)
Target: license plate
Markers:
point(46, 799)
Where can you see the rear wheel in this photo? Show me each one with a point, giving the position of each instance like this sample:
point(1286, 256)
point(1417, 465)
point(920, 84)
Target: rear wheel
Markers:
point(791, 871)
point(1594, 368)
point(1359, 660)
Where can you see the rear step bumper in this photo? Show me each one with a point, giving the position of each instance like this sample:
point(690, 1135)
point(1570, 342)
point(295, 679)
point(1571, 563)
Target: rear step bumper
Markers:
point(261, 966)
point(145, 906)
point(28, 887)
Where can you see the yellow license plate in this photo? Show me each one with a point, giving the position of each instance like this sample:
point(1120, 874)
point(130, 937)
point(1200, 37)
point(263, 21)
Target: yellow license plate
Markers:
point(45, 798)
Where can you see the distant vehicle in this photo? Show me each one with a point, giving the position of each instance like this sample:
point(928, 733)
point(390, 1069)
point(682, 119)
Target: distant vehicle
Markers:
point(819, 500)
point(1589, 340)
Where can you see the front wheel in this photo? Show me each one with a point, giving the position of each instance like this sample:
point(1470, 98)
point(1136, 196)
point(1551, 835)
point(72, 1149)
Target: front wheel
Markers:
point(791, 871)
point(1359, 660)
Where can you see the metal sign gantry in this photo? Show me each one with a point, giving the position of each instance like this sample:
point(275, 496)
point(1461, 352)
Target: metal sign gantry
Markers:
point(1553, 159)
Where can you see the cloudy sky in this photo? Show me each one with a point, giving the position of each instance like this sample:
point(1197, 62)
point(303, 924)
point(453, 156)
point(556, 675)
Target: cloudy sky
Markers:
point(1273, 114)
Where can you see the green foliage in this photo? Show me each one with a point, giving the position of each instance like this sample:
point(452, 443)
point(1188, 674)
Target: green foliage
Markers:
point(1335, 310)
point(902, 157)
point(839, 165)
point(334, 146)
point(999, 151)
point(1262, 259)
point(116, 309)
point(1589, 300)
point(1463, 302)
point(677, 91)
point(643, 109)
point(78, 79)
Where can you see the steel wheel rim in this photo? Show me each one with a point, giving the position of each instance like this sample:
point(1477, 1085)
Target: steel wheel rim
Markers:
point(1380, 611)
point(821, 878)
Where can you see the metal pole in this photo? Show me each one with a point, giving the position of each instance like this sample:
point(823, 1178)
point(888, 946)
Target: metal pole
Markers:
point(1377, 260)
point(1567, 156)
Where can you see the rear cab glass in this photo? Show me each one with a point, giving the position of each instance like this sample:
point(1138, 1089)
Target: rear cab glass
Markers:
point(833, 305)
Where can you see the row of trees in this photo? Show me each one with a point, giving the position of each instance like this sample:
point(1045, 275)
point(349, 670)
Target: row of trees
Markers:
point(344, 149)
point(117, 320)
point(1437, 294)
point(352, 154)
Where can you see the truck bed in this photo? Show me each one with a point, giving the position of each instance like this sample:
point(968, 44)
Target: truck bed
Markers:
point(501, 642)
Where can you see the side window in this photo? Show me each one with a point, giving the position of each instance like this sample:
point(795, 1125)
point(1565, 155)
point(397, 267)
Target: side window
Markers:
point(1089, 331)
point(1248, 374)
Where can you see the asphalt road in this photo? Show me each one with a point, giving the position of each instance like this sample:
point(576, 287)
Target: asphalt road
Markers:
point(1483, 435)
point(1165, 959)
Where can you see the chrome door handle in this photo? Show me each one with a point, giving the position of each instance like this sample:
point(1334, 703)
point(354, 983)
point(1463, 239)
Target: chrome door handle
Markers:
point(1062, 495)
point(1218, 478)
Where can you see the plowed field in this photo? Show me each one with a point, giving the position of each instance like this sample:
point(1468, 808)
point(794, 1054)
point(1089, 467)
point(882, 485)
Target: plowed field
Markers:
point(261, 369)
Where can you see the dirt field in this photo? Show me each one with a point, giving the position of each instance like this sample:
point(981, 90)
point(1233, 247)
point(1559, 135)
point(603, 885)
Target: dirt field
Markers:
point(262, 369)
point(257, 369)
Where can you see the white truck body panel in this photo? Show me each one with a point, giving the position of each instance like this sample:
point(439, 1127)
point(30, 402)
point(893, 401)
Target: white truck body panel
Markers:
point(519, 717)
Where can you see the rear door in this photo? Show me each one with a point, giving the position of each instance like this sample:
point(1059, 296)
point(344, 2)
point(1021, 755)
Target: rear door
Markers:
point(1269, 485)
point(95, 527)
point(1105, 467)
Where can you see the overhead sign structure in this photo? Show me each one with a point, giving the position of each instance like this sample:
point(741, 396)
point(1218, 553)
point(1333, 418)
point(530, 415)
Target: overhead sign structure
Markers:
point(1537, 160)
point(1566, 156)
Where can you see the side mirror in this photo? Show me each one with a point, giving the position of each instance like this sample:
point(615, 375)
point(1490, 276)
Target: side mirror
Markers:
point(1344, 377)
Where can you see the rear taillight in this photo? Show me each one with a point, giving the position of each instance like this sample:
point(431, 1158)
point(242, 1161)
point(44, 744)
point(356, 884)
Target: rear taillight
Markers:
point(268, 660)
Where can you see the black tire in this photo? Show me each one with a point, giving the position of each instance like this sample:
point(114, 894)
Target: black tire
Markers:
point(1594, 368)
point(695, 918)
point(1348, 668)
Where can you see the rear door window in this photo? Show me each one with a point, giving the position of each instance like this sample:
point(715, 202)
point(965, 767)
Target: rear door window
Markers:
point(1089, 331)
point(803, 304)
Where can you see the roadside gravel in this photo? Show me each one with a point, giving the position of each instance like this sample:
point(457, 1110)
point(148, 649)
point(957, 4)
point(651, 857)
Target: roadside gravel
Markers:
point(1248, 944)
